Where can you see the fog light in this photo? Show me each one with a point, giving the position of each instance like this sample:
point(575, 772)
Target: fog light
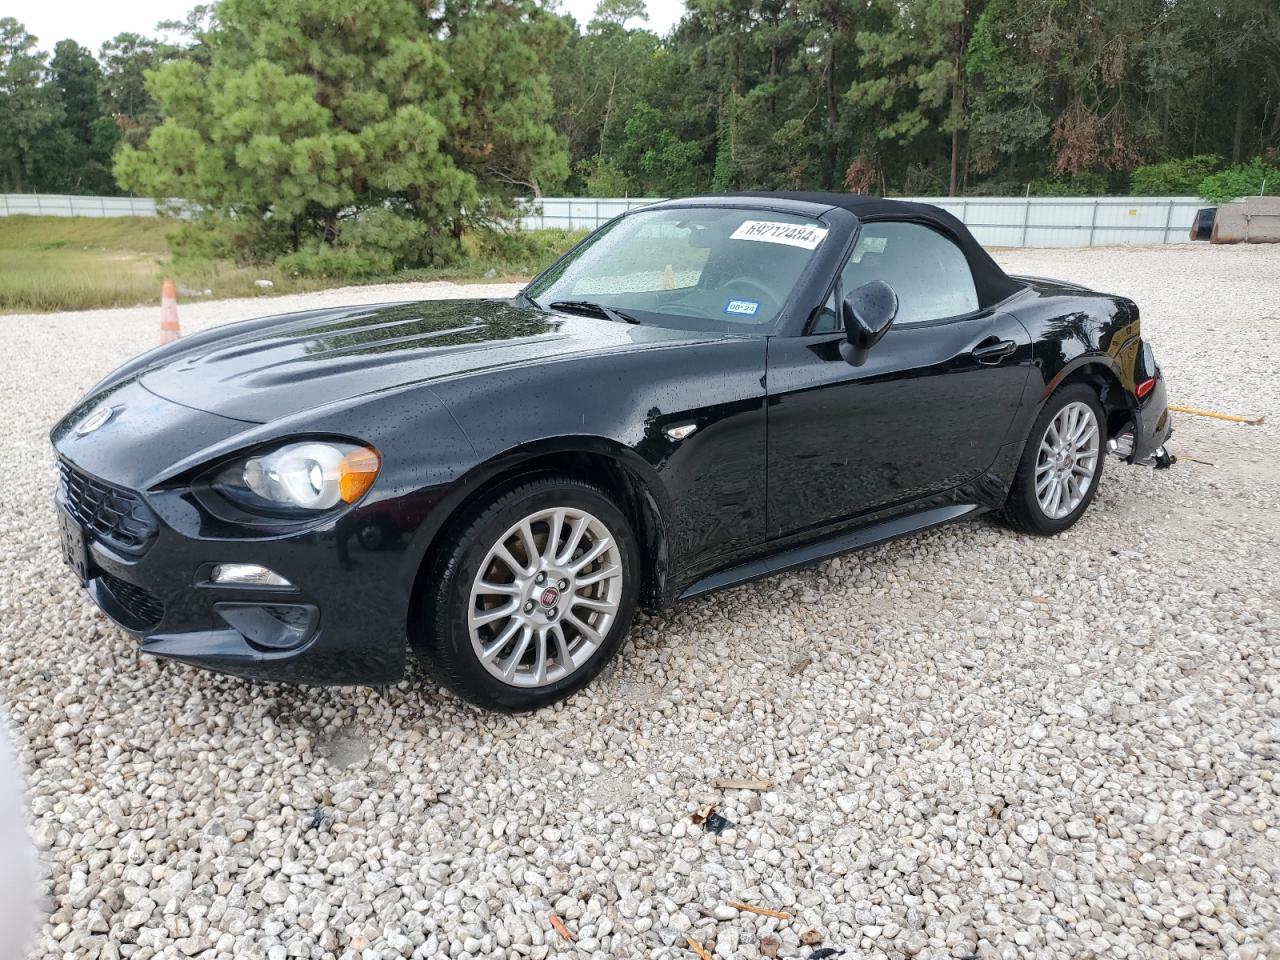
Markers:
point(247, 574)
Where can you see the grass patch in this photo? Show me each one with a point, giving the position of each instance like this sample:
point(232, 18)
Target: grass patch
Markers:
point(52, 263)
point(80, 263)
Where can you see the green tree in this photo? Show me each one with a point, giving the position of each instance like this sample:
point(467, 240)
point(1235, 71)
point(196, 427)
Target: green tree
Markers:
point(500, 52)
point(732, 32)
point(1009, 117)
point(600, 76)
point(617, 54)
point(1180, 177)
point(1075, 86)
point(600, 178)
point(1227, 101)
point(195, 32)
point(918, 76)
point(78, 79)
point(125, 60)
point(658, 161)
point(759, 75)
point(337, 130)
point(1258, 177)
point(826, 56)
point(618, 12)
point(30, 111)
point(78, 158)
point(662, 142)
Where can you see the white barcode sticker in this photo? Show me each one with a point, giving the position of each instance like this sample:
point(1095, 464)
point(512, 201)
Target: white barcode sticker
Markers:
point(773, 231)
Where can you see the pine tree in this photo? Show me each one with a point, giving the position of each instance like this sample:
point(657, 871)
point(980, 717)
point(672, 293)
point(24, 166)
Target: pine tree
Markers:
point(917, 75)
point(79, 151)
point(500, 52)
point(337, 129)
point(29, 108)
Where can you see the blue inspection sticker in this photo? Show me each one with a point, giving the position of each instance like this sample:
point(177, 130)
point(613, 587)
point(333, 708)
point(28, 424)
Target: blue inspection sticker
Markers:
point(742, 308)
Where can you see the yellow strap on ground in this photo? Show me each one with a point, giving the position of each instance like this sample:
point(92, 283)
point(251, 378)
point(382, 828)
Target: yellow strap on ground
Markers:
point(1233, 418)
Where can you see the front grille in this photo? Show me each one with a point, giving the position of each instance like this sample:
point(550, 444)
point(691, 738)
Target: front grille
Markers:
point(140, 606)
point(110, 514)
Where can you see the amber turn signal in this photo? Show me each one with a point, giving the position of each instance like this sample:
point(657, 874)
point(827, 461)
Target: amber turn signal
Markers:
point(356, 473)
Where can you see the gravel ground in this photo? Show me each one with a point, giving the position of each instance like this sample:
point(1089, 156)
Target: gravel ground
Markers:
point(983, 744)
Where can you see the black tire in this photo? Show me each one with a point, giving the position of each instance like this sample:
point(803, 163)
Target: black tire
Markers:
point(1022, 510)
point(448, 646)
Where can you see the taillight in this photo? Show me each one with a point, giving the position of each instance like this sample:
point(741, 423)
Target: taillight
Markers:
point(1147, 371)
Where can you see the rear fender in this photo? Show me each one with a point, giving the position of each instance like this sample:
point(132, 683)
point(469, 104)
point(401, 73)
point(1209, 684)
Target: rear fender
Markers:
point(1097, 369)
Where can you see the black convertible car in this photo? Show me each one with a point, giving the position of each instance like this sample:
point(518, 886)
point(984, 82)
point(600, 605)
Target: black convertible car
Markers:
point(701, 392)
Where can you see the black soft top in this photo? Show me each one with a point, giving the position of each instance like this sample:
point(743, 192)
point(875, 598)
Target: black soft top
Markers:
point(991, 282)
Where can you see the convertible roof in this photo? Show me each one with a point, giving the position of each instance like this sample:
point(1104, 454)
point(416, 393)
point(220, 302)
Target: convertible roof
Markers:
point(992, 283)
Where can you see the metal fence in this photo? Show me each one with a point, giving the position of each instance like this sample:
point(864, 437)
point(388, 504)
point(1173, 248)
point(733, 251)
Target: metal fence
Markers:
point(65, 205)
point(578, 213)
point(994, 221)
point(1073, 221)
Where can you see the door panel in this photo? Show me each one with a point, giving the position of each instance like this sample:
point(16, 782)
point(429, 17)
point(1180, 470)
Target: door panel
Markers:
point(922, 415)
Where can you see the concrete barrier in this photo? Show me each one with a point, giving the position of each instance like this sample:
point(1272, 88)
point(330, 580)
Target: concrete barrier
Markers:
point(1251, 220)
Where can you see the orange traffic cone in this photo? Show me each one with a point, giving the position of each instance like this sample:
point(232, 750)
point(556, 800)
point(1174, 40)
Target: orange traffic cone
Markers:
point(169, 329)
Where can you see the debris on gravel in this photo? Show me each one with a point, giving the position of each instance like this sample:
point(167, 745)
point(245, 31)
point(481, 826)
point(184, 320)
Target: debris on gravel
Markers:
point(997, 747)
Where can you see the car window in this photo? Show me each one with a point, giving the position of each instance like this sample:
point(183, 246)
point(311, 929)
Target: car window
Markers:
point(727, 269)
point(926, 270)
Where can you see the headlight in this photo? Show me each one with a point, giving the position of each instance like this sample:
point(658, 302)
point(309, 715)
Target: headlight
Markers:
point(306, 477)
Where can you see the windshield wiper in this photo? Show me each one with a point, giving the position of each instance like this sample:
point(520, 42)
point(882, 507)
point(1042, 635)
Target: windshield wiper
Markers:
point(599, 309)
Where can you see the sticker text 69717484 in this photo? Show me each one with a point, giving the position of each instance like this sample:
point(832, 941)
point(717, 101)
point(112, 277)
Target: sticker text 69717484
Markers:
point(774, 231)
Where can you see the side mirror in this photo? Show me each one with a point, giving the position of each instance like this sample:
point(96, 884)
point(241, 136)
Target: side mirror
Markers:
point(868, 313)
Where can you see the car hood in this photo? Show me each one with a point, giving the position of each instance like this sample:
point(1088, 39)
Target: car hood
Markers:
point(278, 369)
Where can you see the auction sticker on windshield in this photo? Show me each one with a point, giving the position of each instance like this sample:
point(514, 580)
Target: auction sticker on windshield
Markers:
point(773, 231)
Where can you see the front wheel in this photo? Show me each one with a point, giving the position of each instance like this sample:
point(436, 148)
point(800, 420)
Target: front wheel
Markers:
point(534, 595)
point(1061, 466)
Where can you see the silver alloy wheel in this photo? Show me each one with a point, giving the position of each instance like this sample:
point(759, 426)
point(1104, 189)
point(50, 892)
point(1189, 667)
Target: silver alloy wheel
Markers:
point(545, 597)
point(1067, 460)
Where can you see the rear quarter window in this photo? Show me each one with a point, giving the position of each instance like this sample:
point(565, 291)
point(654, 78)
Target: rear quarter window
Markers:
point(926, 269)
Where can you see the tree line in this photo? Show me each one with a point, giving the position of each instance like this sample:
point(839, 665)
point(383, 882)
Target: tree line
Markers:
point(368, 135)
point(64, 113)
point(922, 97)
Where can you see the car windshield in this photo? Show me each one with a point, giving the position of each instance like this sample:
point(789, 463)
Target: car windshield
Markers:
point(690, 268)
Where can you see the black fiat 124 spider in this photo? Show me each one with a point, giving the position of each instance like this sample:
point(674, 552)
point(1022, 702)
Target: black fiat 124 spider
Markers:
point(702, 392)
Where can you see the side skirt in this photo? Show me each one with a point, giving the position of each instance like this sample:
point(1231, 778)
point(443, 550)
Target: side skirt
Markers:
point(816, 550)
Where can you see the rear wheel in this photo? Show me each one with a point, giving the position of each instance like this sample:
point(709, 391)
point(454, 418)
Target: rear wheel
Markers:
point(534, 595)
point(1061, 466)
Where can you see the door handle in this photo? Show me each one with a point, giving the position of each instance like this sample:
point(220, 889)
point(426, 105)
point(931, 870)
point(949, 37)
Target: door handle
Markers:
point(994, 352)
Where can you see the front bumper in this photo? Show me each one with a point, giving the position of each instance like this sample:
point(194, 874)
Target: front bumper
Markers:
point(347, 604)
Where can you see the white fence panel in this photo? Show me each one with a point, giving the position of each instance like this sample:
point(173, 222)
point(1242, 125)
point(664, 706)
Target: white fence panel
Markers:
point(65, 205)
point(578, 213)
point(994, 221)
point(1074, 221)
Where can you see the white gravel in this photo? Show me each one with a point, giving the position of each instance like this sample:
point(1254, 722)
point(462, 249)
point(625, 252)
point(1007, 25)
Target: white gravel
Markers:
point(1001, 746)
